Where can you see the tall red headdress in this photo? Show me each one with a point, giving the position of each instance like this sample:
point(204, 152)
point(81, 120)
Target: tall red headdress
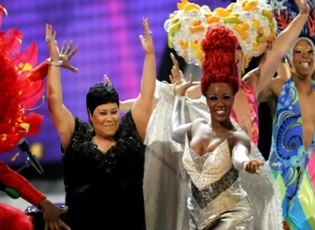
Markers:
point(219, 63)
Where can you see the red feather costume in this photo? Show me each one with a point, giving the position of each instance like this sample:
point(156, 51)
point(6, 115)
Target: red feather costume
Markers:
point(22, 86)
point(12, 218)
point(21, 90)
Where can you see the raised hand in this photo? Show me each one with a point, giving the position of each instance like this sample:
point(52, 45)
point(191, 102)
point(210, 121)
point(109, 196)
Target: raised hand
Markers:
point(106, 80)
point(304, 8)
point(178, 80)
point(181, 86)
point(176, 74)
point(146, 39)
point(66, 54)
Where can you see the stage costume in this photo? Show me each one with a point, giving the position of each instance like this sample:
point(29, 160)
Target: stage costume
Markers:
point(166, 198)
point(252, 101)
point(14, 219)
point(12, 179)
point(165, 179)
point(22, 86)
point(215, 191)
point(166, 187)
point(293, 166)
point(112, 181)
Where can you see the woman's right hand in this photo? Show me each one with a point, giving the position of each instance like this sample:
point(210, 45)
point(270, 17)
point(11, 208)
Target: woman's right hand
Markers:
point(178, 80)
point(176, 76)
point(180, 84)
point(252, 166)
point(51, 215)
point(65, 55)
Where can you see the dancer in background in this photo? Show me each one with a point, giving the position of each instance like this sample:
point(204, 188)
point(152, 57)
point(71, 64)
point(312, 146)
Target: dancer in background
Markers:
point(21, 88)
point(166, 209)
point(51, 212)
point(292, 157)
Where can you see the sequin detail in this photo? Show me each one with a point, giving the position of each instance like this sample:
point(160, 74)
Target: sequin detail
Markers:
point(205, 196)
point(82, 156)
point(112, 179)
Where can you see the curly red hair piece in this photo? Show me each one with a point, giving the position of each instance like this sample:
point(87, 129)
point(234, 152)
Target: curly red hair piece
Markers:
point(219, 64)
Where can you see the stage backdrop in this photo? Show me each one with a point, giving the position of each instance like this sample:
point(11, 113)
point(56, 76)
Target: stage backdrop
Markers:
point(107, 32)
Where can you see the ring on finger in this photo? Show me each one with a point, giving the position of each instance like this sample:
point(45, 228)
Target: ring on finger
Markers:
point(48, 38)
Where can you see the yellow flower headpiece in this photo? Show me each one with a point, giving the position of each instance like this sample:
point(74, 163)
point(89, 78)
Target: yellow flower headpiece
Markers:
point(252, 22)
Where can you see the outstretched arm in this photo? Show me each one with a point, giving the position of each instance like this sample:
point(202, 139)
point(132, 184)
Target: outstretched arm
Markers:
point(261, 77)
point(60, 115)
point(240, 159)
point(29, 193)
point(142, 107)
point(12, 179)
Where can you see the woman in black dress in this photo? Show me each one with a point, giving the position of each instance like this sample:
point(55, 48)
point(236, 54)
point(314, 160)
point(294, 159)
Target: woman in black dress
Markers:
point(103, 159)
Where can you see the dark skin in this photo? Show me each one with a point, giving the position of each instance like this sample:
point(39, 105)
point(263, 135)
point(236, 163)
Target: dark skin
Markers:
point(220, 129)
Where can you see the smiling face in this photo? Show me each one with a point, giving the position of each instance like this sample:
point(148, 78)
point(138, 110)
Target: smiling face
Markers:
point(303, 59)
point(220, 100)
point(105, 120)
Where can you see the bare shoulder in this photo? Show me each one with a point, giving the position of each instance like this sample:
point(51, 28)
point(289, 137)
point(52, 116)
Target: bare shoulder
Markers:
point(249, 76)
point(252, 78)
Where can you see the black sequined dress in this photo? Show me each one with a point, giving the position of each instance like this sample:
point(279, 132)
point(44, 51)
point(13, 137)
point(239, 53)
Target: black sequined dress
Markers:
point(104, 191)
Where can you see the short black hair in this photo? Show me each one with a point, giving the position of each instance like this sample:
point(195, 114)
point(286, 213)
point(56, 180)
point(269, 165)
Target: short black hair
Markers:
point(99, 94)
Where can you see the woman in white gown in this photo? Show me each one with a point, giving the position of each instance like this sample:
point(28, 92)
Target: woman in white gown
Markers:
point(215, 151)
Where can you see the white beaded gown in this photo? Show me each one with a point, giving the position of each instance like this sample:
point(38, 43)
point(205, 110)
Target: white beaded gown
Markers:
point(216, 198)
point(166, 182)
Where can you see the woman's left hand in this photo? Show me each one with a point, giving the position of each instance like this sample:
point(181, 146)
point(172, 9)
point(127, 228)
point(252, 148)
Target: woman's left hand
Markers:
point(146, 39)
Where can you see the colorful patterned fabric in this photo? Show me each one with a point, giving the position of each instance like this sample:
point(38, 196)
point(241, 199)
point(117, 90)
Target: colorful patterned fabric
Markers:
point(286, 10)
point(293, 166)
point(252, 100)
